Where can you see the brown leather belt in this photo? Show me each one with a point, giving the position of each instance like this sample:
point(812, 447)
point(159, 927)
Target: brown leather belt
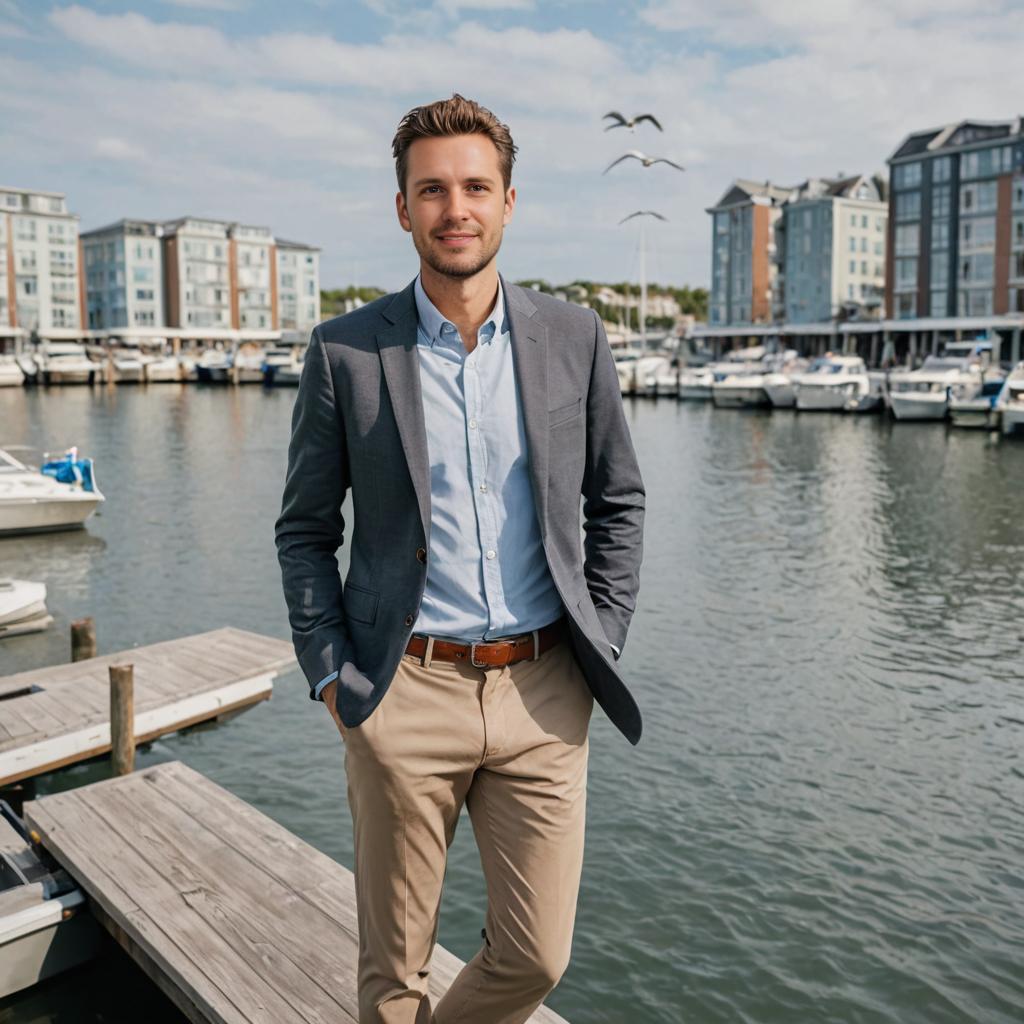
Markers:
point(491, 653)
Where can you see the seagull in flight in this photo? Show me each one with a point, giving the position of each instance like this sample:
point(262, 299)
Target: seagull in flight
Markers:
point(647, 161)
point(643, 213)
point(621, 122)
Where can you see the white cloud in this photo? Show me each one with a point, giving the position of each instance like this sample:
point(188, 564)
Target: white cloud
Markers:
point(293, 129)
point(229, 6)
point(113, 148)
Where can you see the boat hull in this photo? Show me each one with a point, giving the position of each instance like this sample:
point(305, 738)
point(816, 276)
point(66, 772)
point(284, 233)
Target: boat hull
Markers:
point(43, 515)
point(820, 399)
point(976, 414)
point(740, 398)
point(1012, 418)
point(782, 396)
point(918, 407)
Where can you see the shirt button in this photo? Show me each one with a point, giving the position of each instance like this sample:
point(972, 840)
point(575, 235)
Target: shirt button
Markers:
point(472, 424)
point(483, 488)
point(408, 620)
point(421, 555)
point(490, 554)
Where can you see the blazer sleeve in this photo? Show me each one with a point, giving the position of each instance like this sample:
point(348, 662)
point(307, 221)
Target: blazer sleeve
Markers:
point(613, 499)
point(311, 529)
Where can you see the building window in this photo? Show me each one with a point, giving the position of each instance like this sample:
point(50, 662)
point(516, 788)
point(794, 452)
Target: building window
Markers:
point(940, 201)
point(863, 220)
point(977, 233)
point(906, 175)
point(853, 244)
point(905, 306)
point(942, 168)
point(984, 163)
point(1017, 265)
point(853, 266)
point(978, 198)
point(906, 274)
point(908, 239)
point(908, 205)
point(940, 234)
point(977, 268)
point(975, 302)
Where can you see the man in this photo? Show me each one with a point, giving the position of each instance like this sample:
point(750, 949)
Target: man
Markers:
point(461, 659)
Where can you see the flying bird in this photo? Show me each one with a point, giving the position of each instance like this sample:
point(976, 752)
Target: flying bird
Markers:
point(621, 122)
point(647, 161)
point(643, 213)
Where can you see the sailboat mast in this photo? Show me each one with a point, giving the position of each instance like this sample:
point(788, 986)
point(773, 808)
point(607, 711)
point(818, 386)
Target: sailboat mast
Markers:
point(643, 288)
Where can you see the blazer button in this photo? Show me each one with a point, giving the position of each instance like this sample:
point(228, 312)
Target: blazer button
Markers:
point(409, 620)
point(421, 555)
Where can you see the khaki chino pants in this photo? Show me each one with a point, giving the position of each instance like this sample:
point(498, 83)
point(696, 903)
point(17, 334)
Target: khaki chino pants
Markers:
point(510, 743)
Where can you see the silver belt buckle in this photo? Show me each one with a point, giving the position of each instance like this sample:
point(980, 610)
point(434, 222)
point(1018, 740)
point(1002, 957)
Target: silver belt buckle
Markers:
point(472, 653)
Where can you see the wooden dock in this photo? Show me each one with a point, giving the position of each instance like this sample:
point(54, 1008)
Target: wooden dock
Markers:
point(58, 715)
point(235, 918)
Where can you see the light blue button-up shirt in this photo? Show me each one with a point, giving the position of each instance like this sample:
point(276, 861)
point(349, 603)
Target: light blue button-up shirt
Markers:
point(487, 574)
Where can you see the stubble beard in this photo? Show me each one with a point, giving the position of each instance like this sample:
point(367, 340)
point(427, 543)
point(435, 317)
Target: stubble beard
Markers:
point(454, 269)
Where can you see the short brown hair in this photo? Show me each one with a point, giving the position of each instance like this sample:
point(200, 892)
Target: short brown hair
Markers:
point(457, 116)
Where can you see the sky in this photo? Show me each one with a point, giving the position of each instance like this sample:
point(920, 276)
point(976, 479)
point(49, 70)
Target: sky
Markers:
point(283, 114)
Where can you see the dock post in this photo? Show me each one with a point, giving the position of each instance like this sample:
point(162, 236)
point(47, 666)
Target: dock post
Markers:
point(83, 639)
point(122, 719)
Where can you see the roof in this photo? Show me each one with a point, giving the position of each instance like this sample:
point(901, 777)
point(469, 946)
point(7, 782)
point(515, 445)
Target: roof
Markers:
point(121, 225)
point(955, 136)
point(284, 243)
point(743, 190)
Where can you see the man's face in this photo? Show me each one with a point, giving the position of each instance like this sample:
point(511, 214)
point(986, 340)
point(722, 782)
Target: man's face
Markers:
point(455, 203)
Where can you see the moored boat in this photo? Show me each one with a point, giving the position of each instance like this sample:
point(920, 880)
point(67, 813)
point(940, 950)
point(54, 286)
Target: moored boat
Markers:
point(1010, 403)
point(60, 495)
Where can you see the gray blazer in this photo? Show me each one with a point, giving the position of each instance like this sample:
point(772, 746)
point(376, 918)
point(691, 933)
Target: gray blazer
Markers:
point(358, 423)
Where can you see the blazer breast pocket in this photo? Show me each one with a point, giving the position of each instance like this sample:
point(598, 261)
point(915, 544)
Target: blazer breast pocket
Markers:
point(359, 604)
point(564, 412)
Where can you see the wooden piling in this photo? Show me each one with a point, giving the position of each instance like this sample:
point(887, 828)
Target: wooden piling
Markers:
point(122, 719)
point(83, 639)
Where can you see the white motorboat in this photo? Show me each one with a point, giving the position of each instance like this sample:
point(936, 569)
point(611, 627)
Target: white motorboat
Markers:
point(249, 360)
point(163, 370)
point(740, 391)
point(129, 366)
point(695, 384)
point(11, 373)
point(282, 366)
point(45, 926)
point(214, 367)
point(1010, 403)
point(22, 607)
point(66, 362)
point(59, 496)
point(834, 383)
point(29, 368)
point(923, 394)
point(975, 405)
point(781, 390)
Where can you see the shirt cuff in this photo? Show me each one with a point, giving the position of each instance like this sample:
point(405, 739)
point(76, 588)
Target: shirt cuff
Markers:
point(318, 689)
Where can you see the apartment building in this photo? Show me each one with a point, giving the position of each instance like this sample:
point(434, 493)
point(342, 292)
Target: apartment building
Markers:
point(830, 249)
point(124, 278)
point(298, 289)
point(956, 223)
point(40, 271)
point(743, 264)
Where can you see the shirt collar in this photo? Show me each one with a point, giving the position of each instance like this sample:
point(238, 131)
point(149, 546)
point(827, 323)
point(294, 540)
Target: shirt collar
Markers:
point(432, 320)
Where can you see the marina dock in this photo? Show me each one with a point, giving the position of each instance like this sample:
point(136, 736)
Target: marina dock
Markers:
point(236, 919)
point(56, 716)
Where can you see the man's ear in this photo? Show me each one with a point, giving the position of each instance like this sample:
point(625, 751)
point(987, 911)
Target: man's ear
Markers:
point(510, 205)
point(403, 212)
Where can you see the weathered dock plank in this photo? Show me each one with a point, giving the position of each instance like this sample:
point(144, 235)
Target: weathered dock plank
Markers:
point(58, 715)
point(234, 917)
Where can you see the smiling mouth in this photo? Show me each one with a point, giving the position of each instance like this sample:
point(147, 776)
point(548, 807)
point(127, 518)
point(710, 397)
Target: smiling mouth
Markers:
point(455, 239)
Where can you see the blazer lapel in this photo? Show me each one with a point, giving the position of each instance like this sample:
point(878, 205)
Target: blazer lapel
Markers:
point(530, 362)
point(400, 360)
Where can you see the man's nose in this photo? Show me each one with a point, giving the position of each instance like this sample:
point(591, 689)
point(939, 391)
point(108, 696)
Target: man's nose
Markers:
point(456, 207)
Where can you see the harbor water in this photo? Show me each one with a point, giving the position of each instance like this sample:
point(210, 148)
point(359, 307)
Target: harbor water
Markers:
point(824, 820)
